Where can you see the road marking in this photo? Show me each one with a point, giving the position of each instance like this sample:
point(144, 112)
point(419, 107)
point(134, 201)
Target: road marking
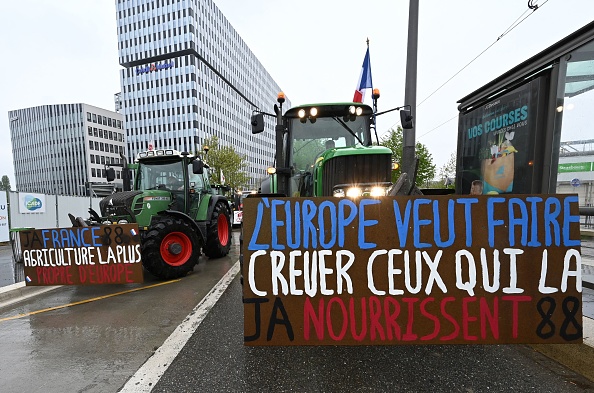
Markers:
point(86, 301)
point(153, 369)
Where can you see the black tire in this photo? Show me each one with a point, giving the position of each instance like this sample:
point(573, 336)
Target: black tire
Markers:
point(218, 235)
point(170, 248)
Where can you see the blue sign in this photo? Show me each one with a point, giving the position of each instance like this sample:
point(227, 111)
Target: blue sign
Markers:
point(154, 67)
point(575, 182)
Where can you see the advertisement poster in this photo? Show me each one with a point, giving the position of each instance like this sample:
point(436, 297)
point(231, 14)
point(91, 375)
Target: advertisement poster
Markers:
point(496, 143)
point(3, 218)
point(31, 203)
point(412, 270)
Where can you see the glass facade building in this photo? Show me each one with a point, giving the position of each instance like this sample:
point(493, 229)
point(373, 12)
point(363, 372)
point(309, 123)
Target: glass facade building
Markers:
point(188, 76)
point(57, 149)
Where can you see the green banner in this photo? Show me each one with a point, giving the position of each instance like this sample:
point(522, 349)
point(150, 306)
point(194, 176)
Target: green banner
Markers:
point(575, 167)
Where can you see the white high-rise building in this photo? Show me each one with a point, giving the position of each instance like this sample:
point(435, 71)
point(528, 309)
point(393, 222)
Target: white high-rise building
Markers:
point(188, 76)
point(59, 149)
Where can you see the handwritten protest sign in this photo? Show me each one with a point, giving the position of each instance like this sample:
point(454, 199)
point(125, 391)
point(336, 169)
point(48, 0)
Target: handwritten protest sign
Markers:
point(82, 255)
point(412, 270)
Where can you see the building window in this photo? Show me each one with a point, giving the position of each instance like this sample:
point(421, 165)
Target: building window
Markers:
point(94, 118)
point(88, 116)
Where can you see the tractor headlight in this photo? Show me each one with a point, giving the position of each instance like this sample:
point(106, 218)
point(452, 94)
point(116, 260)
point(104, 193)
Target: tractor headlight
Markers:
point(354, 192)
point(123, 222)
point(378, 191)
point(359, 111)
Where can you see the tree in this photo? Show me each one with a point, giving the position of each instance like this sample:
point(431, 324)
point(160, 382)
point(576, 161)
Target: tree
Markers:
point(447, 172)
point(395, 141)
point(223, 160)
point(5, 183)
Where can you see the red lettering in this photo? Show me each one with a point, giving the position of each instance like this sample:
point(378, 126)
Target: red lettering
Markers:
point(361, 335)
point(375, 312)
point(436, 324)
point(391, 325)
point(409, 335)
point(345, 319)
point(489, 316)
point(317, 320)
point(466, 318)
point(515, 300)
point(447, 316)
point(129, 274)
point(82, 274)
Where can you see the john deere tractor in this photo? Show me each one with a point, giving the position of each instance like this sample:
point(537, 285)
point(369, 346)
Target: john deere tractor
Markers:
point(176, 211)
point(327, 150)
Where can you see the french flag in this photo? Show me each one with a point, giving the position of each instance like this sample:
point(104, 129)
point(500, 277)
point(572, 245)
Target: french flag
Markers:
point(364, 80)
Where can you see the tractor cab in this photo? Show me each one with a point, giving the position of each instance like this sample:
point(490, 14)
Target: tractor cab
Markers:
point(168, 176)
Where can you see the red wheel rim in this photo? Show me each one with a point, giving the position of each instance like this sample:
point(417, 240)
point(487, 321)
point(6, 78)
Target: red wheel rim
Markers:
point(171, 244)
point(223, 230)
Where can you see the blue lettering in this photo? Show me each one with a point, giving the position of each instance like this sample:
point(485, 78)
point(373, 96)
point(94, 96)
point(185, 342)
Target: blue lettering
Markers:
point(55, 240)
point(568, 218)
point(322, 224)
point(491, 221)
point(418, 222)
point(467, 202)
point(45, 238)
point(275, 224)
point(437, 226)
point(309, 229)
point(296, 242)
point(402, 224)
point(550, 219)
point(96, 239)
point(514, 220)
point(534, 227)
point(253, 246)
point(363, 223)
point(343, 221)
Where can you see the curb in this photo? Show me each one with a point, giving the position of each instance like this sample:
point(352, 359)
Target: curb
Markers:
point(14, 293)
point(577, 357)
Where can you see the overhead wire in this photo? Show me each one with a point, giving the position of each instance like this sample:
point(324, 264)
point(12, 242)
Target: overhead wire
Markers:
point(531, 6)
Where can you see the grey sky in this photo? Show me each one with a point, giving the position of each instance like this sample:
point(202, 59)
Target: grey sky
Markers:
point(66, 51)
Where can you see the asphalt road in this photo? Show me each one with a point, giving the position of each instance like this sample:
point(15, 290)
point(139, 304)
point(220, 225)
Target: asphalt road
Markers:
point(214, 359)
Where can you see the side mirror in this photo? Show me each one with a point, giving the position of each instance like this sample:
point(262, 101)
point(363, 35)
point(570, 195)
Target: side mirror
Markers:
point(406, 119)
point(198, 167)
point(110, 174)
point(257, 123)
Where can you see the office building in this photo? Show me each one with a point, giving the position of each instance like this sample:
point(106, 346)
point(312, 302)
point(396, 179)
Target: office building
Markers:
point(188, 76)
point(59, 149)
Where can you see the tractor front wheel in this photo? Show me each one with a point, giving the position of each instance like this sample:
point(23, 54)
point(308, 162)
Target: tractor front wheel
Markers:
point(170, 248)
point(218, 238)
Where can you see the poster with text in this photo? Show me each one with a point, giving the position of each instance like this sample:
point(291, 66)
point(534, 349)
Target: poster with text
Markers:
point(496, 142)
point(108, 254)
point(412, 270)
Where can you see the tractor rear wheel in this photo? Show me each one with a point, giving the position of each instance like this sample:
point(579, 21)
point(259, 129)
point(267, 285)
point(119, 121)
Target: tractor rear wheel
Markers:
point(218, 237)
point(170, 248)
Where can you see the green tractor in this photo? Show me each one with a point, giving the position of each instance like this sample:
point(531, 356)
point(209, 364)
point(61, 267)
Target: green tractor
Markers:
point(175, 208)
point(327, 150)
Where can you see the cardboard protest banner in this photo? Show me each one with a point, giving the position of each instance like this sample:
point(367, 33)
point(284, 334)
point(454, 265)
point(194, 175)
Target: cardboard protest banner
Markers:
point(107, 254)
point(412, 270)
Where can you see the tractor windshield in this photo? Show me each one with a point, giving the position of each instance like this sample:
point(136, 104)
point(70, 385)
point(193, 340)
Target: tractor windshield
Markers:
point(160, 175)
point(310, 140)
